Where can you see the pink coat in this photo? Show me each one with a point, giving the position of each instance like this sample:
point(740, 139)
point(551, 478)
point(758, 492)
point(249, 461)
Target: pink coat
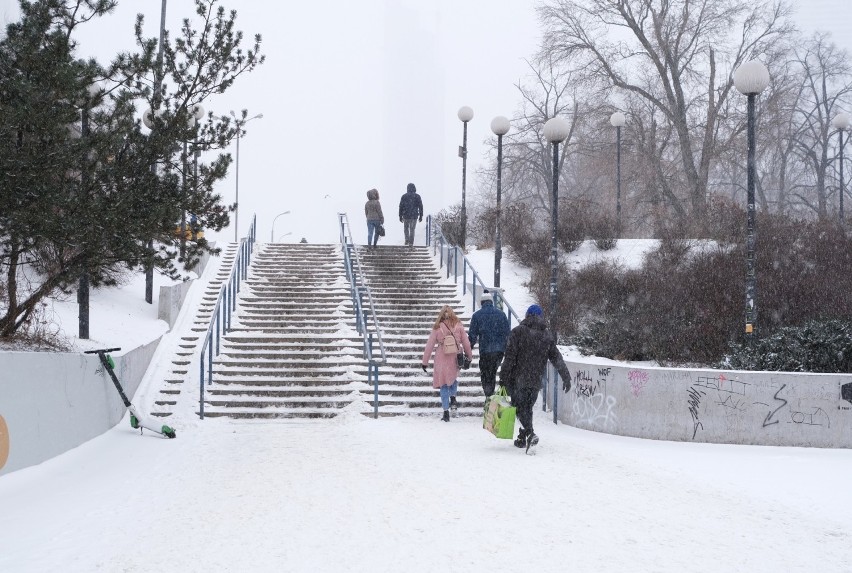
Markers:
point(446, 368)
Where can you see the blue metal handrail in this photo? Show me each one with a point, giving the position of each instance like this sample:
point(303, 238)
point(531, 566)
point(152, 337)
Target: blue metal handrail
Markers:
point(451, 254)
point(226, 304)
point(363, 310)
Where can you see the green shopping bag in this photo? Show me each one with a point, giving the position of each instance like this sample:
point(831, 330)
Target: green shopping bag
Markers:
point(499, 416)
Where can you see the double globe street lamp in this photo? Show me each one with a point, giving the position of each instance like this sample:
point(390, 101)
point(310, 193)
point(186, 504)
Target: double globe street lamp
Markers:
point(750, 79)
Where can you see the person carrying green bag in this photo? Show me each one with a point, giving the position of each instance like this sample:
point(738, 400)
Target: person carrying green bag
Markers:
point(528, 350)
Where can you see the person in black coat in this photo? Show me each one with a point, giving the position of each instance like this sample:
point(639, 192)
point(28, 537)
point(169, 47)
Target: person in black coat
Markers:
point(410, 211)
point(490, 328)
point(529, 348)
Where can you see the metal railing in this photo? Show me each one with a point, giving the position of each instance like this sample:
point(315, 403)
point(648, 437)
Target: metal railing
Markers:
point(364, 309)
point(449, 257)
point(226, 304)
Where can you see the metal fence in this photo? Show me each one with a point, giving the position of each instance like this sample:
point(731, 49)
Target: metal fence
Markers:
point(226, 304)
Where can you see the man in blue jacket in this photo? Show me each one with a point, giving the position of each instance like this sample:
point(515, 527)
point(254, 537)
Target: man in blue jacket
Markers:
point(490, 328)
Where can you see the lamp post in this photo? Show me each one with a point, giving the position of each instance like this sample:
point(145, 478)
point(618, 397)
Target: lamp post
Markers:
point(190, 124)
point(617, 120)
point(465, 114)
point(272, 234)
point(240, 123)
point(94, 92)
point(158, 79)
point(841, 123)
point(750, 79)
point(555, 131)
point(500, 127)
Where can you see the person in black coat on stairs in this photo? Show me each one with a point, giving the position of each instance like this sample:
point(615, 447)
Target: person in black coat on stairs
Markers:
point(410, 211)
point(528, 350)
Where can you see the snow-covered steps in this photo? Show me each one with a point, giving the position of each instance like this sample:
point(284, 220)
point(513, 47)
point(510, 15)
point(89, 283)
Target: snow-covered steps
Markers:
point(294, 351)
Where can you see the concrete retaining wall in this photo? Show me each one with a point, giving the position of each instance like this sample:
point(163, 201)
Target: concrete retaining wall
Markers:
point(52, 402)
point(717, 406)
point(170, 301)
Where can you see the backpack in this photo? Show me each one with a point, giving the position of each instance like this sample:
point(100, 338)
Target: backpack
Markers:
point(449, 343)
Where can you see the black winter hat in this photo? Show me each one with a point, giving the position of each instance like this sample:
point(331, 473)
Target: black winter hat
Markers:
point(411, 188)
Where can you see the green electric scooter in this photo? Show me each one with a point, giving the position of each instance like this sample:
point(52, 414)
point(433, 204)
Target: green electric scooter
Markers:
point(135, 421)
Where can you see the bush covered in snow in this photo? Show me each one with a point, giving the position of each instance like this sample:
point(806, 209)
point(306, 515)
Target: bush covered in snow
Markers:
point(686, 304)
point(818, 346)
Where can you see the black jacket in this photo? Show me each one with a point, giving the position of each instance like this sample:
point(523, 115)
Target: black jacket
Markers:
point(411, 206)
point(529, 348)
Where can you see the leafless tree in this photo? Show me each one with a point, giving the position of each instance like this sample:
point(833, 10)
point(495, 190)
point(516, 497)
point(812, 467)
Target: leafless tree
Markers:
point(668, 53)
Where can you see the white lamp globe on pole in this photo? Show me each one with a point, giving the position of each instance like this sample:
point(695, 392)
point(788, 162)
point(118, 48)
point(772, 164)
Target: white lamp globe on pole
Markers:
point(465, 114)
point(556, 130)
point(617, 120)
point(500, 127)
point(840, 122)
point(750, 79)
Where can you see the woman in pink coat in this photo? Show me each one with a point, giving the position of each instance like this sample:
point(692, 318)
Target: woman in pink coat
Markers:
point(447, 338)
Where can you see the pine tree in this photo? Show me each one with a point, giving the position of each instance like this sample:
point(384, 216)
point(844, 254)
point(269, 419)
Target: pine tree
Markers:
point(78, 195)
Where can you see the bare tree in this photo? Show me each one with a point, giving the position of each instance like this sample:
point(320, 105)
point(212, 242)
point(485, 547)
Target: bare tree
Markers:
point(825, 87)
point(665, 52)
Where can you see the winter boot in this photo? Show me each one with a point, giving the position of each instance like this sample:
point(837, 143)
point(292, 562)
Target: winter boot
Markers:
point(446, 417)
point(532, 441)
point(454, 407)
point(521, 441)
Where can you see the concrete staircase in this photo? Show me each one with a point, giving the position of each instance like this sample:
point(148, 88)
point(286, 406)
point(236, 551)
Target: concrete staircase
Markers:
point(190, 342)
point(294, 350)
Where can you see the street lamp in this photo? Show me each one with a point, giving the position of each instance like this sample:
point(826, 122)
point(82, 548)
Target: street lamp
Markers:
point(840, 123)
point(240, 123)
point(272, 234)
point(617, 120)
point(750, 79)
point(93, 94)
point(465, 114)
point(500, 127)
point(158, 86)
point(556, 130)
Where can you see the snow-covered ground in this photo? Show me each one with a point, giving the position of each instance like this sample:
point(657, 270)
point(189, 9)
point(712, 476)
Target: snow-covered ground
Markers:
point(412, 494)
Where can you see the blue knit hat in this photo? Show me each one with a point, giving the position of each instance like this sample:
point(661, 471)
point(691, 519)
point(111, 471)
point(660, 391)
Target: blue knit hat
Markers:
point(534, 309)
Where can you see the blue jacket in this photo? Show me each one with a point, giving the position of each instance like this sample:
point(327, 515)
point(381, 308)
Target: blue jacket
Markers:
point(490, 328)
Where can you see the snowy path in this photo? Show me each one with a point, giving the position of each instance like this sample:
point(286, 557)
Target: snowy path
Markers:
point(409, 494)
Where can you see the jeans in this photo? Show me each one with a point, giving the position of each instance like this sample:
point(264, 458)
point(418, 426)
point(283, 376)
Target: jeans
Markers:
point(523, 399)
point(488, 364)
point(408, 227)
point(373, 231)
point(446, 392)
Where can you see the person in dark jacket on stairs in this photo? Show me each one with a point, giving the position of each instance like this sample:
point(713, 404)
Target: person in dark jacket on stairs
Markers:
point(375, 218)
point(410, 211)
point(528, 349)
point(490, 328)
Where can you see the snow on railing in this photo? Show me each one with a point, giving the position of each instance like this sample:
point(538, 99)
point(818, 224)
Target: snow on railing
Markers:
point(363, 311)
point(226, 304)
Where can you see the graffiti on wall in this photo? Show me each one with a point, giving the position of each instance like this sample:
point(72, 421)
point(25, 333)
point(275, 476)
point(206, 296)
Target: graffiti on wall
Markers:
point(768, 404)
point(592, 404)
point(637, 379)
